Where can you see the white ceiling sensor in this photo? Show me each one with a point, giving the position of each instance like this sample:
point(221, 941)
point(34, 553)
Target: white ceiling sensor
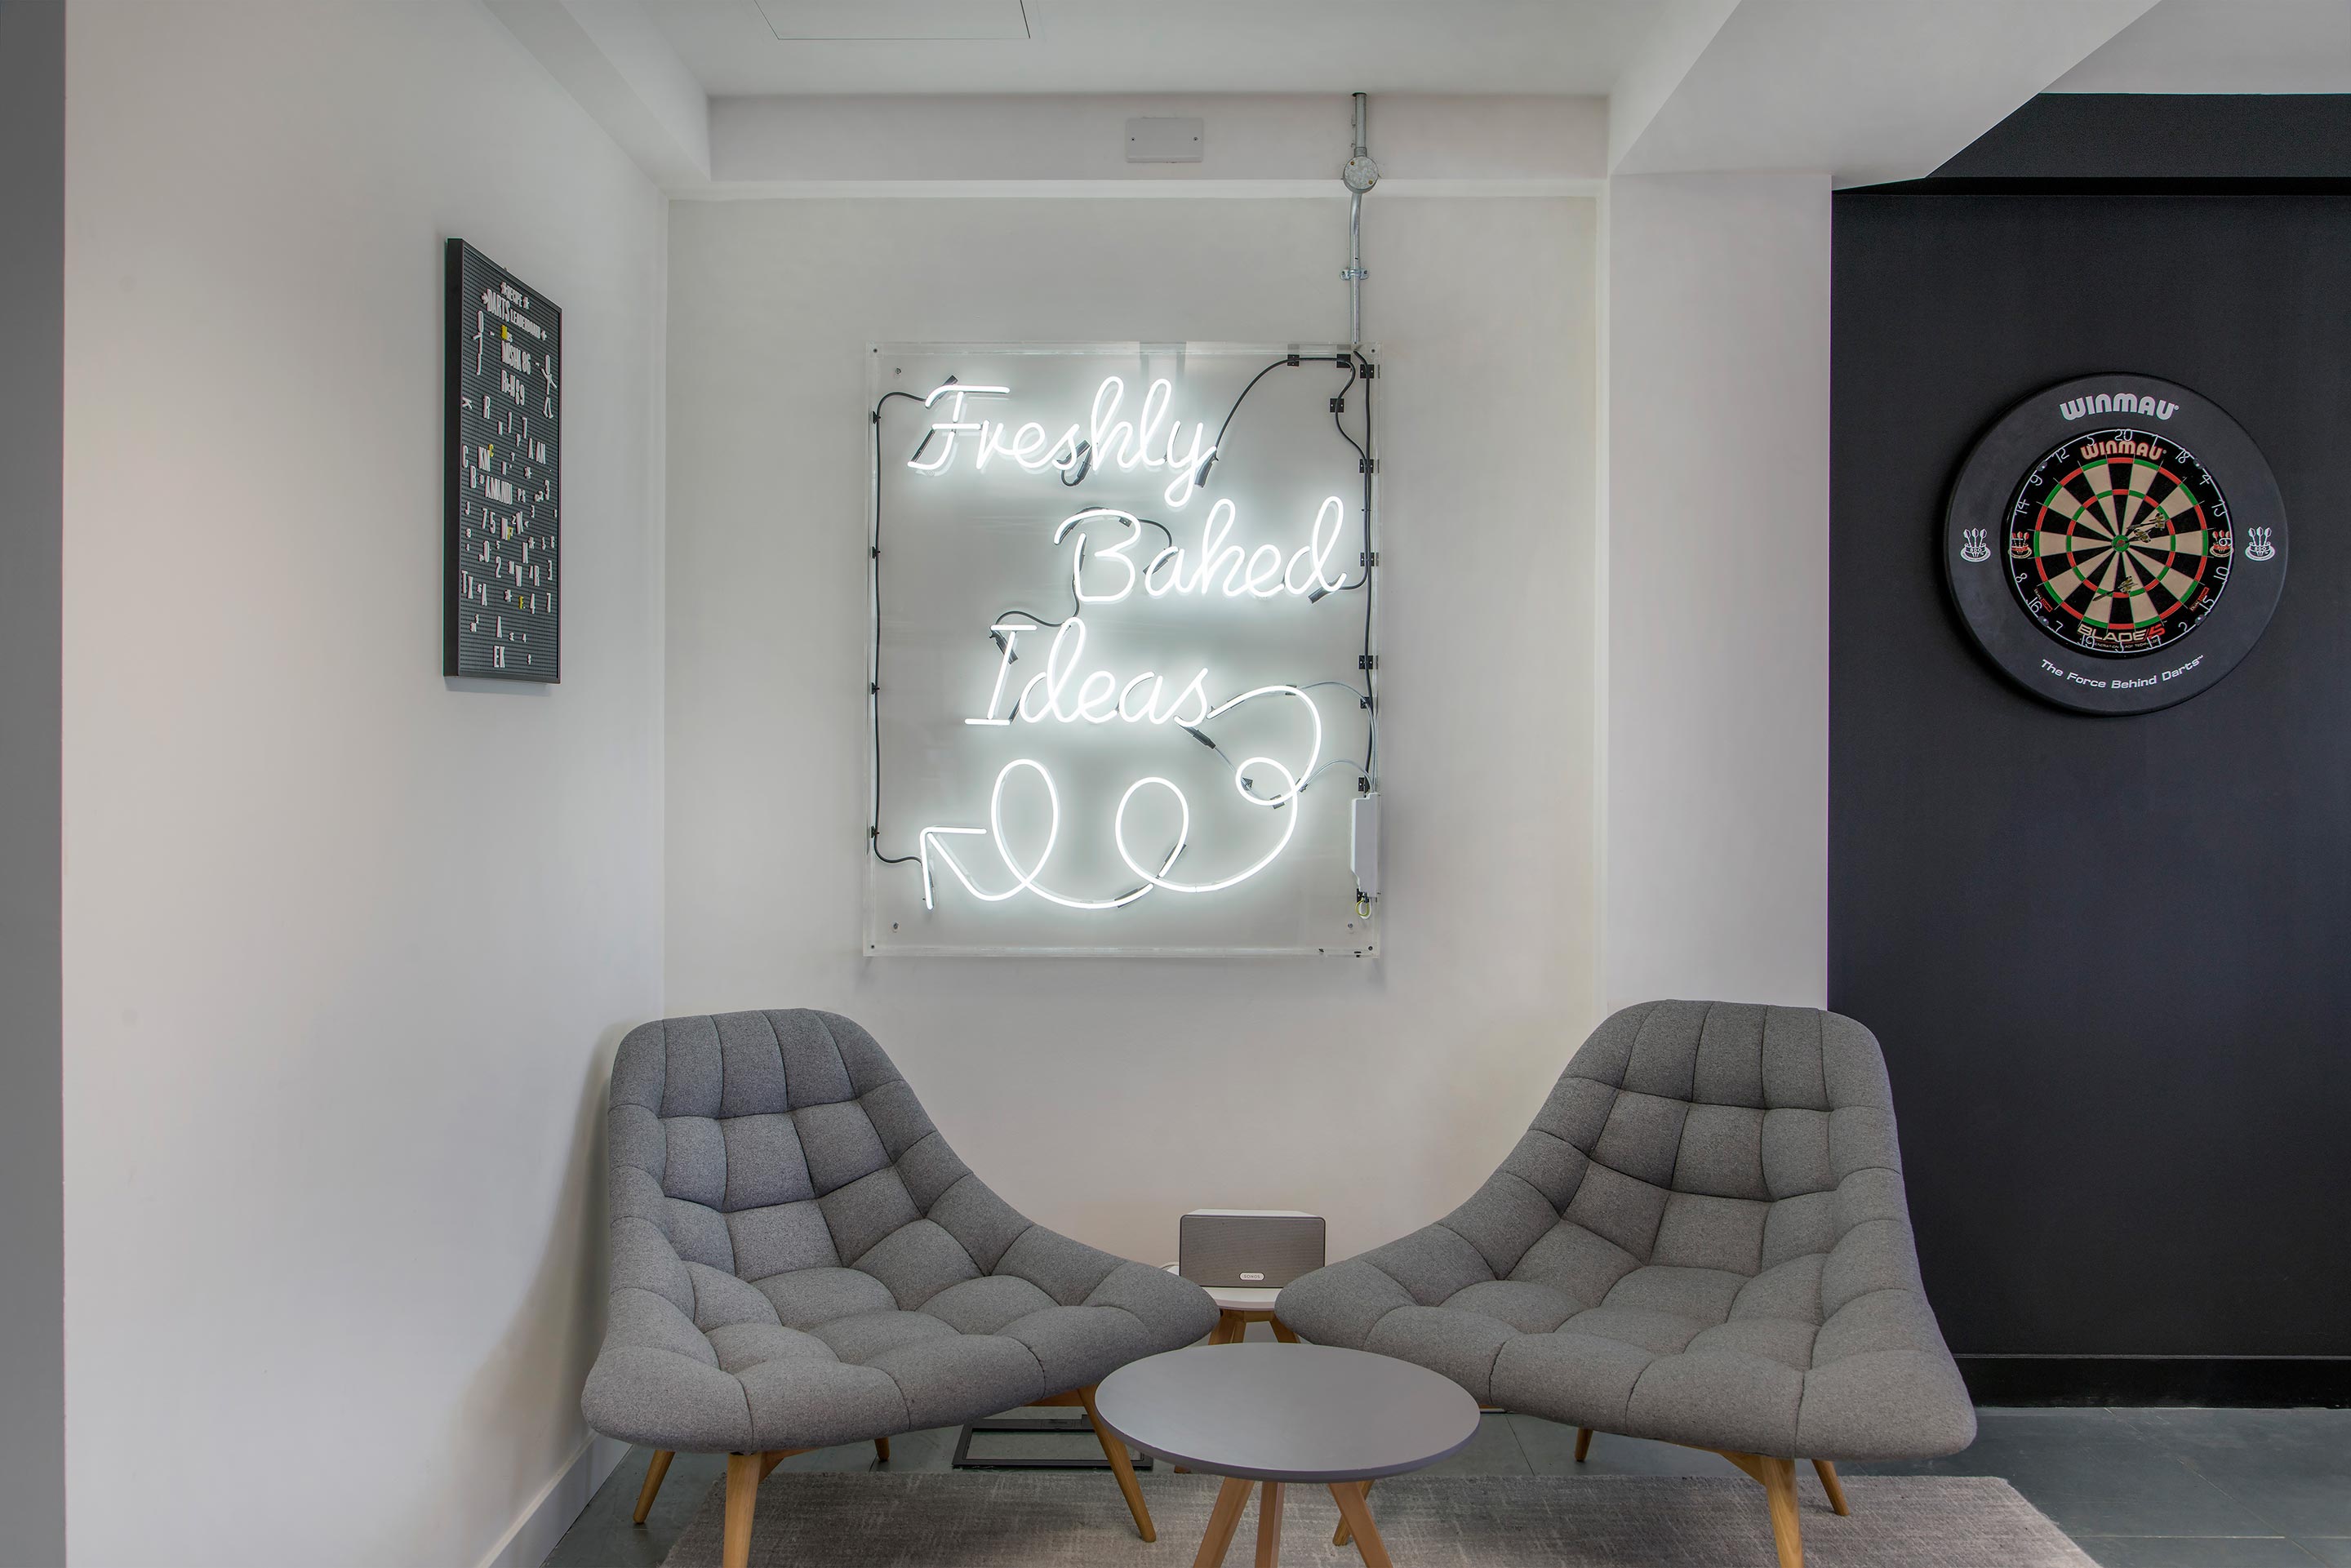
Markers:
point(894, 21)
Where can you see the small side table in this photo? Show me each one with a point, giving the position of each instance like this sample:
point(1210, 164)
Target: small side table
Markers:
point(1264, 1415)
point(1239, 1306)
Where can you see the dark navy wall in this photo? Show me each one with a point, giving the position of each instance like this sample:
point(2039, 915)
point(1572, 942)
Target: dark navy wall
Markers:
point(2164, 136)
point(2110, 959)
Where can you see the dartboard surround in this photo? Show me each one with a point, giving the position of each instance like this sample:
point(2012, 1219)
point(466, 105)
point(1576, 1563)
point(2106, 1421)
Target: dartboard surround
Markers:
point(2116, 544)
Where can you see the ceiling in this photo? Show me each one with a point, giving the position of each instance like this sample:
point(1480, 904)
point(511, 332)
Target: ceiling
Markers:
point(2224, 46)
point(739, 47)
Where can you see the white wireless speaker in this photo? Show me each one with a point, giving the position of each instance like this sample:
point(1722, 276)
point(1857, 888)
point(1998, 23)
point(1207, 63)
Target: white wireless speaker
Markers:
point(1230, 1248)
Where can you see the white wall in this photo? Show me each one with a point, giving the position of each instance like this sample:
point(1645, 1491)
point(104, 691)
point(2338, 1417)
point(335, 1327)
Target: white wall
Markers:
point(32, 345)
point(1106, 1096)
point(1717, 704)
point(345, 945)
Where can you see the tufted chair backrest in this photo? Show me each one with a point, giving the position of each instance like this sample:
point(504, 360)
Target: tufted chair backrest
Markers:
point(760, 1142)
point(1705, 1135)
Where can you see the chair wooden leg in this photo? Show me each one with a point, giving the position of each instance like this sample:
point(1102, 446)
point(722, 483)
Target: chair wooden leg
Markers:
point(1349, 1496)
point(1582, 1443)
point(882, 1450)
point(1344, 1534)
point(1281, 1332)
point(1778, 1478)
point(1223, 1521)
point(651, 1489)
point(1787, 1528)
point(1121, 1467)
point(743, 1472)
point(1831, 1485)
point(1269, 1524)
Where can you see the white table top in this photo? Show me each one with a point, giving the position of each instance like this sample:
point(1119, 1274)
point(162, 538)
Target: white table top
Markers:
point(1242, 1298)
point(1238, 1298)
point(1286, 1411)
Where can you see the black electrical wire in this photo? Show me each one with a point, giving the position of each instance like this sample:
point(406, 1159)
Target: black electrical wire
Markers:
point(1334, 762)
point(1217, 450)
point(1338, 406)
point(1370, 664)
point(873, 666)
point(1076, 604)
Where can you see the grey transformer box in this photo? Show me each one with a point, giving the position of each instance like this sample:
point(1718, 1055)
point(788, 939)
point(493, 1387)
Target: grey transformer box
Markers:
point(1248, 1248)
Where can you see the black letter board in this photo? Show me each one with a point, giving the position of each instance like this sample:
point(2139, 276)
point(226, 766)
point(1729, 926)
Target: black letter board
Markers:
point(504, 462)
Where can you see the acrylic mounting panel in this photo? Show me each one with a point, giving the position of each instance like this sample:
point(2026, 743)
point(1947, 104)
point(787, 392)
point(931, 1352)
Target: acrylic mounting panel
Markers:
point(1063, 798)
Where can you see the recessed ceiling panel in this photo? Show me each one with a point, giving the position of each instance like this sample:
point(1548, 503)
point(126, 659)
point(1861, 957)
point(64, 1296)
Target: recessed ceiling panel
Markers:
point(894, 21)
point(737, 48)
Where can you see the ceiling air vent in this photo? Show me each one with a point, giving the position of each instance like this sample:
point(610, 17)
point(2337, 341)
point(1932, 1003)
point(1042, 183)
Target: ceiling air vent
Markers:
point(894, 21)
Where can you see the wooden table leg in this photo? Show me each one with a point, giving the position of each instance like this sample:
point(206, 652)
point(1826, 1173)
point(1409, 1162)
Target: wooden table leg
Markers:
point(1114, 1449)
point(1341, 1536)
point(1281, 1332)
point(651, 1489)
point(1349, 1496)
point(1269, 1524)
point(1223, 1521)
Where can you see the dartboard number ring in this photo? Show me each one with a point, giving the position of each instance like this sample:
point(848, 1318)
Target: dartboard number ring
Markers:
point(2116, 544)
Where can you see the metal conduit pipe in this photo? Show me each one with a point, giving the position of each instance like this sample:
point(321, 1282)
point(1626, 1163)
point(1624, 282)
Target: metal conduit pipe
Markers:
point(1361, 174)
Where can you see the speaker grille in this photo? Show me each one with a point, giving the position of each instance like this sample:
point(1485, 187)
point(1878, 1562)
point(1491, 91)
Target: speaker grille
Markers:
point(1234, 1249)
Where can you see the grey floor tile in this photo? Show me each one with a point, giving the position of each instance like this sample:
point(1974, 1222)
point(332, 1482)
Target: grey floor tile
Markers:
point(2178, 1504)
point(2293, 1467)
point(2194, 1551)
point(2096, 1472)
point(602, 1536)
point(2333, 1550)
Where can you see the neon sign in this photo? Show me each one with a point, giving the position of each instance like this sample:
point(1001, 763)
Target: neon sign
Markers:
point(1156, 616)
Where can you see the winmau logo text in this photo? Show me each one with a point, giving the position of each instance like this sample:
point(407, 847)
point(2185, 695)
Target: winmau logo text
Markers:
point(2116, 402)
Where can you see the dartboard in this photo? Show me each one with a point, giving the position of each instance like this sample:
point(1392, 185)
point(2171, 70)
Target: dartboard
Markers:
point(2116, 544)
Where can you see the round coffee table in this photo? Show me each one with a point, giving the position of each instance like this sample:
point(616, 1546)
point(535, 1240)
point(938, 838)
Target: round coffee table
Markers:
point(1265, 1415)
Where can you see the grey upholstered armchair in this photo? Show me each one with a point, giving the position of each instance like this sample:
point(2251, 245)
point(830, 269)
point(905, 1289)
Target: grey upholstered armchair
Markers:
point(800, 1260)
point(1703, 1239)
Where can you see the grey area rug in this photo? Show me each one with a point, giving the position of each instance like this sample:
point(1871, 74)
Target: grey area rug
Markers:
point(1009, 1521)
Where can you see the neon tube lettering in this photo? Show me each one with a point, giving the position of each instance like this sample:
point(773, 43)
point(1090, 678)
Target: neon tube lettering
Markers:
point(932, 839)
point(1149, 441)
point(1258, 573)
point(1116, 552)
point(955, 424)
point(1010, 632)
point(1046, 694)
